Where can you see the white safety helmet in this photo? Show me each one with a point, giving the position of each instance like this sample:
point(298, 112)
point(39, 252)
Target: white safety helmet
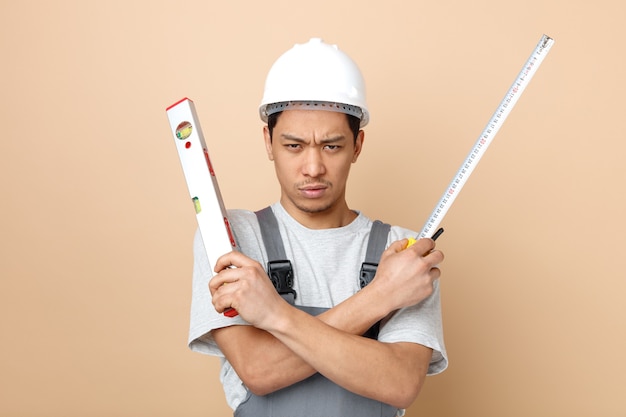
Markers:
point(315, 75)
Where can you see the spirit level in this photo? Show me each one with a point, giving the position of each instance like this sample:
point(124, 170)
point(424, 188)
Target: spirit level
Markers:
point(201, 182)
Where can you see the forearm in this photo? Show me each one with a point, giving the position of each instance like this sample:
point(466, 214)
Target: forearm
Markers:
point(265, 364)
point(358, 313)
point(389, 372)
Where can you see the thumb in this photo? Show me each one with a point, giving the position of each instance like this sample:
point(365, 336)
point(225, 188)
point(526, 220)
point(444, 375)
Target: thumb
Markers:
point(395, 247)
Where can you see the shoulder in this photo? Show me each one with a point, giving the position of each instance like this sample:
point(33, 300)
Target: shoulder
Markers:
point(245, 228)
point(241, 216)
point(399, 232)
point(244, 224)
point(395, 232)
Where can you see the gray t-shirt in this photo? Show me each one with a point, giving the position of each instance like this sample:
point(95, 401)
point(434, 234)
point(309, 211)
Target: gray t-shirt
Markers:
point(326, 272)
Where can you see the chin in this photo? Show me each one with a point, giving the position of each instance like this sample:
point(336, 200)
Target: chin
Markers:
point(313, 207)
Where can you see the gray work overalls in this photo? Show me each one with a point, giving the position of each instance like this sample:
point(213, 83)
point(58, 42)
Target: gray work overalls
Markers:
point(316, 396)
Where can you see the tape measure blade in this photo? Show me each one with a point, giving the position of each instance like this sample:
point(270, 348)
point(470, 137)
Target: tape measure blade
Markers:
point(487, 135)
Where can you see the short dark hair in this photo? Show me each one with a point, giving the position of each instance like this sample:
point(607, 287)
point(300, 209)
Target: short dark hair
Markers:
point(353, 121)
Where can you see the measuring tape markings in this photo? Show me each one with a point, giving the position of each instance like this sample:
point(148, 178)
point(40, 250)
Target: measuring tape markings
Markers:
point(487, 135)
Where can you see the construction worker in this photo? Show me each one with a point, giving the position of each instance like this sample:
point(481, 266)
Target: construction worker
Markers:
point(315, 335)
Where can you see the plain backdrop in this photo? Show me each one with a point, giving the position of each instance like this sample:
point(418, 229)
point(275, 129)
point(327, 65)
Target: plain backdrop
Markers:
point(97, 227)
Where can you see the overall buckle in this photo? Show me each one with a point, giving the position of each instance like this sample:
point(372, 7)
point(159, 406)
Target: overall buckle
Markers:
point(281, 275)
point(368, 271)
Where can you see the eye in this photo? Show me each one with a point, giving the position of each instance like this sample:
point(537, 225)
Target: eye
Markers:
point(332, 147)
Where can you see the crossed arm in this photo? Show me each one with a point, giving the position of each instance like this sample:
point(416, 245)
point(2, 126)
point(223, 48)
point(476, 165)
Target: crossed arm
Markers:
point(285, 345)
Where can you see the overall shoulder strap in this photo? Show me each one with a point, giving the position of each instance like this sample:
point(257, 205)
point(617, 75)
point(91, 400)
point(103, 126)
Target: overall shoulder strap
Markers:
point(375, 247)
point(279, 268)
point(270, 234)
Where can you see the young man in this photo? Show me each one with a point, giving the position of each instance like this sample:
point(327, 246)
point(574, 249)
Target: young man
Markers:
point(311, 358)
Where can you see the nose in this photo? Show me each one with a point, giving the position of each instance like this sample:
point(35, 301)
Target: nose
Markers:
point(313, 164)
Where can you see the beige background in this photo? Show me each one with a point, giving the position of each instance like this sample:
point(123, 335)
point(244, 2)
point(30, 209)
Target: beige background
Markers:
point(96, 225)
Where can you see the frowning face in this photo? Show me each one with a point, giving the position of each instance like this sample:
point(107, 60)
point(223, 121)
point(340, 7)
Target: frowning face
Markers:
point(312, 152)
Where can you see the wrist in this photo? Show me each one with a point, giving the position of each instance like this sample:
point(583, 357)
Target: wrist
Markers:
point(377, 299)
point(278, 320)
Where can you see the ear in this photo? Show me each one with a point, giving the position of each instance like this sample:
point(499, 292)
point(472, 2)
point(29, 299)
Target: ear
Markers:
point(268, 143)
point(358, 145)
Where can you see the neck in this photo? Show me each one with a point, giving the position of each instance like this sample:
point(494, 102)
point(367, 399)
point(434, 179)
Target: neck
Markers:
point(330, 218)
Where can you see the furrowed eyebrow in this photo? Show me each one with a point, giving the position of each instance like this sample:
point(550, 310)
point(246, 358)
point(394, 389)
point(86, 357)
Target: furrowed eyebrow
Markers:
point(332, 139)
point(287, 136)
